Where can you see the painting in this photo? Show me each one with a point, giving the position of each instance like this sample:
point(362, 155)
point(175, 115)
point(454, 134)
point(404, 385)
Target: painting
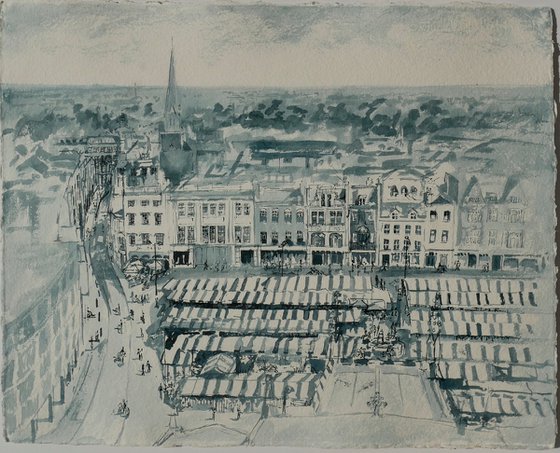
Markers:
point(306, 225)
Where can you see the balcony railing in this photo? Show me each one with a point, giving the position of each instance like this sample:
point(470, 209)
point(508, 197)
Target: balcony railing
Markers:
point(362, 246)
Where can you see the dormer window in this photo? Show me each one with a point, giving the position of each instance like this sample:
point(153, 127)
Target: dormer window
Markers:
point(404, 191)
point(394, 215)
point(413, 190)
point(413, 215)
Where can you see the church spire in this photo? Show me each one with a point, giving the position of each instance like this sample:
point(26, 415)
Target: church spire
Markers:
point(171, 95)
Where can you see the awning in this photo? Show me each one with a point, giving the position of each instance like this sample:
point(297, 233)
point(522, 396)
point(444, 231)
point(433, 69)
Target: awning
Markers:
point(292, 386)
point(294, 346)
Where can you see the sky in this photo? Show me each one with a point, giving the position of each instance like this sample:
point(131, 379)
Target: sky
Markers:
point(127, 42)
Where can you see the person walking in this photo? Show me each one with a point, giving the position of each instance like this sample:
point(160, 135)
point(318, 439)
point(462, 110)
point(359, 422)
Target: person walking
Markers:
point(141, 333)
point(142, 370)
point(148, 366)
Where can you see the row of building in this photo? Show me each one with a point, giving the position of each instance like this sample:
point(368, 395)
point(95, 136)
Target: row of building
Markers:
point(403, 217)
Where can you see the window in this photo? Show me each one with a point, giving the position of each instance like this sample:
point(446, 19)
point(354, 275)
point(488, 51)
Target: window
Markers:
point(212, 209)
point(404, 191)
point(417, 246)
point(131, 219)
point(181, 236)
point(335, 240)
point(515, 215)
point(412, 215)
point(221, 234)
point(156, 203)
point(157, 218)
point(433, 215)
point(181, 209)
point(407, 229)
point(396, 244)
point(299, 236)
point(514, 199)
point(444, 236)
point(474, 215)
point(385, 244)
point(318, 240)
point(274, 237)
point(264, 239)
point(145, 203)
point(190, 234)
point(132, 239)
point(492, 214)
point(264, 215)
point(514, 241)
point(145, 218)
point(131, 203)
point(336, 217)
point(446, 216)
point(473, 237)
point(396, 257)
point(246, 235)
point(212, 234)
point(274, 216)
point(361, 200)
point(288, 236)
point(288, 216)
point(396, 229)
point(190, 209)
point(413, 190)
point(145, 238)
point(205, 209)
point(238, 209)
point(299, 216)
point(159, 238)
point(221, 209)
point(205, 234)
point(394, 191)
point(317, 218)
point(238, 234)
point(432, 236)
point(394, 215)
point(492, 235)
point(418, 230)
point(247, 209)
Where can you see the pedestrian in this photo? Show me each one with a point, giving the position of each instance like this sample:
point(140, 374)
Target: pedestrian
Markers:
point(238, 412)
point(131, 313)
point(142, 370)
point(141, 333)
point(376, 281)
point(148, 366)
point(142, 318)
point(160, 390)
point(213, 412)
point(141, 353)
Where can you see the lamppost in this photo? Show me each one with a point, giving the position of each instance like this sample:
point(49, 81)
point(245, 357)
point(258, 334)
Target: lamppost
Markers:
point(155, 267)
point(406, 245)
point(284, 243)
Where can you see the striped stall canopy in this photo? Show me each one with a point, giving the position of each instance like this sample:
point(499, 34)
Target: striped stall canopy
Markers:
point(474, 285)
point(253, 326)
point(473, 299)
point(469, 329)
point(504, 403)
point(309, 290)
point(317, 346)
point(294, 386)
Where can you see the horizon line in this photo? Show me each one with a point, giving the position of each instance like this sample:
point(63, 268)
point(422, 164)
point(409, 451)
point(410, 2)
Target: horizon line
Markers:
point(269, 87)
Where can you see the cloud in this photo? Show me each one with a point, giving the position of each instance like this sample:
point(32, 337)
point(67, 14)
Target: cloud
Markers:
point(110, 43)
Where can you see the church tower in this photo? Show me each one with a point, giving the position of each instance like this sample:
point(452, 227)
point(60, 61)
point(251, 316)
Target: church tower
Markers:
point(178, 157)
